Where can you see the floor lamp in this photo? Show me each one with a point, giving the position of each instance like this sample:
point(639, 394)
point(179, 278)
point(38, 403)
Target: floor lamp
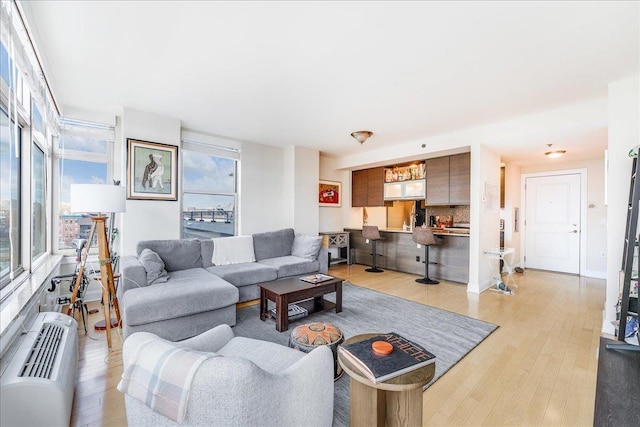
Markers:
point(98, 199)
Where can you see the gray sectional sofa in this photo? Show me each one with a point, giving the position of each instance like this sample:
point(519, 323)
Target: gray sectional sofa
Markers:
point(173, 289)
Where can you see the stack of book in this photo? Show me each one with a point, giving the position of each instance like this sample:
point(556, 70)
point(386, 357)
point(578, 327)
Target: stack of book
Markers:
point(405, 356)
point(295, 312)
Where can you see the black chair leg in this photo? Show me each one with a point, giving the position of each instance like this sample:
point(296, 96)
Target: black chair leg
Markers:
point(426, 280)
point(374, 269)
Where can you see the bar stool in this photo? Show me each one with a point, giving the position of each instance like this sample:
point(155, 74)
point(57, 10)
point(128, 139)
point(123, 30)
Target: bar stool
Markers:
point(424, 237)
point(372, 233)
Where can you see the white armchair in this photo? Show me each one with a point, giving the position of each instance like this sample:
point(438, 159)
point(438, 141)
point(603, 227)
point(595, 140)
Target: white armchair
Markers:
point(255, 383)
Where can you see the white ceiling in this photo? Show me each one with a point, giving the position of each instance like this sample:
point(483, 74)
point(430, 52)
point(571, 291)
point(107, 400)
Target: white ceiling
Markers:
point(309, 74)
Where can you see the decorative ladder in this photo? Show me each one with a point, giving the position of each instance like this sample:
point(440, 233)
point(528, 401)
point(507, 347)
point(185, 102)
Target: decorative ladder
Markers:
point(629, 253)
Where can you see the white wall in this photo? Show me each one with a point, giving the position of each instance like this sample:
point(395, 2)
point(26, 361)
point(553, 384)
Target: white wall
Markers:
point(511, 202)
point(304, 198)
point(261, 189)
point(624, 134)
point(331, 218)
point(485, 220)
point(595, 230)
point(278, 189)
point(149, 219)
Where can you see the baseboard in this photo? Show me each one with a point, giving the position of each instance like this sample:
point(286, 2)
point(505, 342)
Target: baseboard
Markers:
point(595, 274)
point(607, 327)
point(476, 288)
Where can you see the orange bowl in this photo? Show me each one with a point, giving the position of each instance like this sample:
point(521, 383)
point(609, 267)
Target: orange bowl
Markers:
point(381, 348)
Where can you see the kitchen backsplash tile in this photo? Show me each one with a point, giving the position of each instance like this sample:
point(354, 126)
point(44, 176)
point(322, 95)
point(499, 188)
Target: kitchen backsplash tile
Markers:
point(460, 214)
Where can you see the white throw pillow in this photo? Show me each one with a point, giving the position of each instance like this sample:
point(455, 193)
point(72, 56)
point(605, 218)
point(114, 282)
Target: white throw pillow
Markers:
point(233, 250)
point(306, 246)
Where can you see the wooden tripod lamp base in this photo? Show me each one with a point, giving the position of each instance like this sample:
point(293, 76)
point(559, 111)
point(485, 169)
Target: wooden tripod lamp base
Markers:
point(106, 276)
point(102, 326)
point(100, 198)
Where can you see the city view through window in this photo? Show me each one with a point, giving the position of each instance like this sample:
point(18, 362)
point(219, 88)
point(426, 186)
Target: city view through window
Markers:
point(209, 199)
point(74, 168)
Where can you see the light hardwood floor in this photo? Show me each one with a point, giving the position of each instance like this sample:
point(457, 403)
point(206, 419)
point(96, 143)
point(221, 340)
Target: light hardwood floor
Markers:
point(538, 368)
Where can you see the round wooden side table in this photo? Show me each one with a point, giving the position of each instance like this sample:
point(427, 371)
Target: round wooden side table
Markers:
point(395, 402)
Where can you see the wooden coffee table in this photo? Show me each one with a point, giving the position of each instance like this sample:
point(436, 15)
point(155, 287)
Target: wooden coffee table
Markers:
point(395, 402)
point(293, 290)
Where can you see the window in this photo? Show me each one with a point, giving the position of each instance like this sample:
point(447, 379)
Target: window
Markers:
point(83, 158)
point(38, 201)
point(5, 65)
point(37, 123)
point(209, 192)
point(10, 212)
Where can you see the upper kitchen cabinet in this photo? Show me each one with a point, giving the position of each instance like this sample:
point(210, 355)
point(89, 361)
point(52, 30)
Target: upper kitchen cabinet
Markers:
point(438, 181)
point(375, 188)
point(404, 182)
point(367, 187)
point(449, 180)
point(410, 190)
point(460, 179)
point(359, 187)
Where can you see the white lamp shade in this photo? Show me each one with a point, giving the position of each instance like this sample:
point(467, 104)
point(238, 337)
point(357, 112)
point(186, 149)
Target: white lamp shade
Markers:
point(97, 198)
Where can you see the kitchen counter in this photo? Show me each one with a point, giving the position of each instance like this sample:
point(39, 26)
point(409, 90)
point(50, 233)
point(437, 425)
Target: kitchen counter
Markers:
point(397, 251)
point(448, 231)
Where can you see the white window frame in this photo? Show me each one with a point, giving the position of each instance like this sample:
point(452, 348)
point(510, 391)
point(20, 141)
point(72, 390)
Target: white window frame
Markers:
point(67, 154)
point(213, 146)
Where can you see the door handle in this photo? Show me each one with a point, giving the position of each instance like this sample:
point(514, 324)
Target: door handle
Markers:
point(573, 231)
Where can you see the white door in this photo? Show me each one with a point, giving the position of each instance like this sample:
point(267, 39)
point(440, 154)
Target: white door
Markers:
point(552, 223)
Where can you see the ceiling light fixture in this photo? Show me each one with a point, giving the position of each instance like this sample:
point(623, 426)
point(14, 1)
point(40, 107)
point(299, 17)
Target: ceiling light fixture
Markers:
point(361, 135)
point(555, 153)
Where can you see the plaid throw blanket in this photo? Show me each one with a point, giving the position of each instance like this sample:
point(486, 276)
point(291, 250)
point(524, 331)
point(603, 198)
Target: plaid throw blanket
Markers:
point(160, 376)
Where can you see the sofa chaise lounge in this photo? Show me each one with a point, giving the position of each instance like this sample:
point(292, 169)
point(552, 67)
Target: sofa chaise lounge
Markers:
point(173, 289)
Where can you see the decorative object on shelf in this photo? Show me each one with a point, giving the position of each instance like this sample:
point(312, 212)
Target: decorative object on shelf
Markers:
point(361, 136)
point(295, 312)
point(424, 236)
point(405, 173)
point(330, 193)
point(152, 171)
point(100, 198)
point(552, 154)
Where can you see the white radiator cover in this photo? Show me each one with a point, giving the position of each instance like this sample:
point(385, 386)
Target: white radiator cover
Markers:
point(38, 383)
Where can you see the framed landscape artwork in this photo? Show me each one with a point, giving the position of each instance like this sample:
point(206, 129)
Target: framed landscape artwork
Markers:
point(152, 170)
point(330, 194)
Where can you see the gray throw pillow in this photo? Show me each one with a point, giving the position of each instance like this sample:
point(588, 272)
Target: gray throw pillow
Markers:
point(154, 266)
point(306, 246)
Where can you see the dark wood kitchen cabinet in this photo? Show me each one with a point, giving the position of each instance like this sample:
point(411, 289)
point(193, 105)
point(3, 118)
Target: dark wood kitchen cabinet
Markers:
point(367, 187)
point(449, 180)
point(359, 187)
point(460, 179)
point(438, 181)
point(375, 188)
